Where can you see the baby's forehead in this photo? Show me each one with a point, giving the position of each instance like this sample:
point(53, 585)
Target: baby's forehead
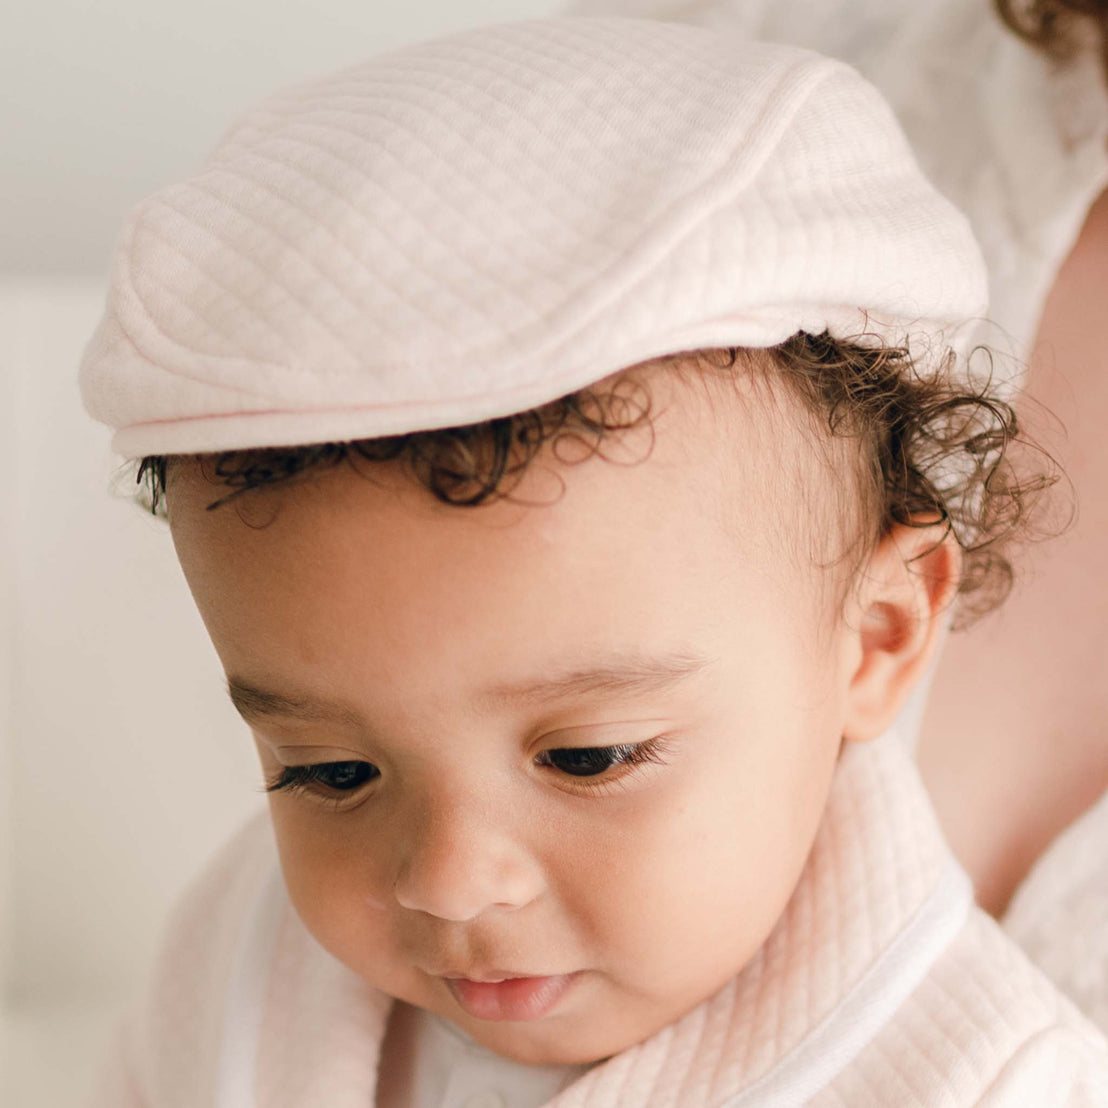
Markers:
point(338, 576)
point(661, 542)
point(716, 458)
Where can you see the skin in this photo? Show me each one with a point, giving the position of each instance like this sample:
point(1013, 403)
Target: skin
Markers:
point(1027, 688)
point(470, 851)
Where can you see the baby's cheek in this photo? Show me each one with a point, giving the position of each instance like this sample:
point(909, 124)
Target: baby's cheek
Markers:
point(633, 889)
point(695, 893)
point(333, 887)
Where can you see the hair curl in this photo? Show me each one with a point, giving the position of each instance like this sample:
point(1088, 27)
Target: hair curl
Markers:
point(930, 448)
point(1057, 26)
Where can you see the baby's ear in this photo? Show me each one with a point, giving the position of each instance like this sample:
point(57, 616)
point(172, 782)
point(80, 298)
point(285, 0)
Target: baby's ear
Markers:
point(897, 622)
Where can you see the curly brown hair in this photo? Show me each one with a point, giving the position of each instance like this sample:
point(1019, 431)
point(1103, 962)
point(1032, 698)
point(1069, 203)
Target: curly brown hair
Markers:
point(929, 448)
point(1056, 26)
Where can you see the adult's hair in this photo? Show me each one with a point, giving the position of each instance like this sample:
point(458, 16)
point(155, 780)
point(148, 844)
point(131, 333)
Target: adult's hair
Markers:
point(1059, 26)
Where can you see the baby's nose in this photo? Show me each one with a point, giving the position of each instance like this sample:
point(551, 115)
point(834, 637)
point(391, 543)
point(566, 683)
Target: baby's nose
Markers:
point(456, 862)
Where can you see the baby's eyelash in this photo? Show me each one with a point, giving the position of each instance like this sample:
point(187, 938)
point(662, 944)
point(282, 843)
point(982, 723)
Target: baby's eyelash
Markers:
point(334, 781)
point(350, 775)
point(597, 761)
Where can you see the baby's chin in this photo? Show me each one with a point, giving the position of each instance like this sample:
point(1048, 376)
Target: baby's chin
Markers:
point(558, 1043)
point(589, 1027)
point(555, 1053)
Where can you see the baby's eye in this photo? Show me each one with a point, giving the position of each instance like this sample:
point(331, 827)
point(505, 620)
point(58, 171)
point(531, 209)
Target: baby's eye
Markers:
point(337, 776)
point(587, 761)
point(592, 761)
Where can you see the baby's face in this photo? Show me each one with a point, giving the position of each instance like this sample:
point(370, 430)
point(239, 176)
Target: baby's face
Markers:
point(588, 741)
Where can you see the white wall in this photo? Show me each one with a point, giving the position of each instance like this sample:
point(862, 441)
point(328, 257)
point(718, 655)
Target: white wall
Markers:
point(122, 764)
point(128, 766)
point(101, 103)
point(9, 480)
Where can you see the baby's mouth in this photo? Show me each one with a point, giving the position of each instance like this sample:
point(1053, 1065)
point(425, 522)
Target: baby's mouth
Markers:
point(509, 998)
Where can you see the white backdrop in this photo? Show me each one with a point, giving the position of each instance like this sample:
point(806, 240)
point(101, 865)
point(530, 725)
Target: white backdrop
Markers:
point(122, 764)
point(102, 101)
point(127, 766)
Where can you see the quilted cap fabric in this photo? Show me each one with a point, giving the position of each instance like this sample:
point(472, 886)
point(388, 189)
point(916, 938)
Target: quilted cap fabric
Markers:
point(475, 225)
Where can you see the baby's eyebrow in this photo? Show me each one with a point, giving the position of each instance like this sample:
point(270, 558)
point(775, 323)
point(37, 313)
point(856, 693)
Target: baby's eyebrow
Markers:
point(620, 675)
point(254, 702)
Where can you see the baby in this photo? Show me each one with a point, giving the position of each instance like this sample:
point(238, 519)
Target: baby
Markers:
point(567, 434)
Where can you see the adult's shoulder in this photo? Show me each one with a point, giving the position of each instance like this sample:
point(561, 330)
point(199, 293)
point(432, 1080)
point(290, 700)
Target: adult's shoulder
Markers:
point(1059, 914)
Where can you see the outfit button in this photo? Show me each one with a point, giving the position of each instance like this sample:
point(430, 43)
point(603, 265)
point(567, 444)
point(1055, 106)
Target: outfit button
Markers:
point(485, 1100)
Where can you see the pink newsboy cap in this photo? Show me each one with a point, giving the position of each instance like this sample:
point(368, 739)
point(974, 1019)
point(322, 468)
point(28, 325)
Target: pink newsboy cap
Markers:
point(481, 223)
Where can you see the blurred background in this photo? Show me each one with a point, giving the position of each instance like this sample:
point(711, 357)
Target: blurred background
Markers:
point(122, 764)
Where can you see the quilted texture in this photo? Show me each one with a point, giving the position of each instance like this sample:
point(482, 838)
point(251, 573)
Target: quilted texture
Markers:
point(1018, 144)
point(984, 1028)
point(880, 985)
point(472, 226)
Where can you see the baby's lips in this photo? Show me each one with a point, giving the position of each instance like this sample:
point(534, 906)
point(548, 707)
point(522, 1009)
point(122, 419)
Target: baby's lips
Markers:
point(513, 998)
